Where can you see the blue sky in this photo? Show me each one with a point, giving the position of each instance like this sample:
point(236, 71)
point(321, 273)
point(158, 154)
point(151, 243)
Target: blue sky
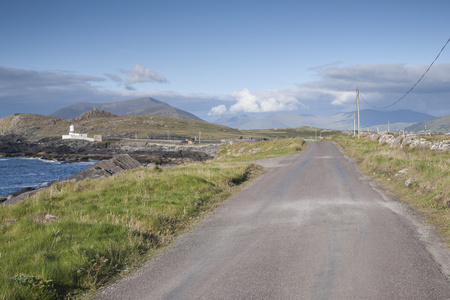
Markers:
point(216, 58)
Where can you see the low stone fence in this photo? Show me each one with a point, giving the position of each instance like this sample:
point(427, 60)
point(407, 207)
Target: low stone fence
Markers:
point(411, 140)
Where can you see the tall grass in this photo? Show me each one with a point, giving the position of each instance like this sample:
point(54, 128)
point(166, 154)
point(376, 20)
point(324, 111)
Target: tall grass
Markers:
point(424, 182)
point(105, 226)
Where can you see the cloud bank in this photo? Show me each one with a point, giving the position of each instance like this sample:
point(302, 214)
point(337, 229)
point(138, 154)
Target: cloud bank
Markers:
point(380, 85)
point(44, 92)
point(30, 91)
point(139, 74)
point(257, 102)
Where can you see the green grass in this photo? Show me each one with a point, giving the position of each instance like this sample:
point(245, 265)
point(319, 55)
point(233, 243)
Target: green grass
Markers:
point(428, 175)
point(304, 132)
point(106, 226)
point(246, 152)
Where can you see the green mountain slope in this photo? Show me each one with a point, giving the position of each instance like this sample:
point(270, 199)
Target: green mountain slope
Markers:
point(441, 124)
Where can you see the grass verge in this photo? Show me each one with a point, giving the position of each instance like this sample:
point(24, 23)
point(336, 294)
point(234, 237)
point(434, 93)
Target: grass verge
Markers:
point(417, 176)
point(102, 227)
point(247, 152)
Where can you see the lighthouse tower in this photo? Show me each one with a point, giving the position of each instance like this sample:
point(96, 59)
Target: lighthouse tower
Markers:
point(79, 136)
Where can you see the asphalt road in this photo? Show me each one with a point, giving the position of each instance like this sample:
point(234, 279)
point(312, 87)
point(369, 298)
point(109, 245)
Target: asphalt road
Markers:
point(312, 227)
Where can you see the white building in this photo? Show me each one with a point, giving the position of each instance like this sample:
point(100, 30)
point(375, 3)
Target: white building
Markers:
point(76, 135)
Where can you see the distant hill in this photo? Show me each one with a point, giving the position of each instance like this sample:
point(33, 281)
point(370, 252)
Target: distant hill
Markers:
point(340, 121)
point(140, 106)
point(235, 121)
point(441, 124)
point(99, 122)
point(165, 111)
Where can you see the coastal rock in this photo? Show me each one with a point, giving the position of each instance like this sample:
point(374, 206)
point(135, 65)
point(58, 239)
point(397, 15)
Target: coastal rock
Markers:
point(2, 199)
point(59, 149)
point(19, 192)
point(106, 168)
point(19, 195)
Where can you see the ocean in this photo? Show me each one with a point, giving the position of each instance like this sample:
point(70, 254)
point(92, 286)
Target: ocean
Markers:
point(19, 172)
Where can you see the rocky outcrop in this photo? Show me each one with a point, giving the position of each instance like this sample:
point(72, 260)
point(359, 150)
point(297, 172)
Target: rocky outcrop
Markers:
point(195, 153)
point(94, 114)
point(56, 148)
point(19, 195)
point(19, 192)
point(409, 140)
point(106, 168)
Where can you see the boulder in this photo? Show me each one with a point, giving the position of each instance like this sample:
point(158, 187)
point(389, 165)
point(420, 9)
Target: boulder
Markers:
point(397, 142)
point(106, 168)
point(409, 182)
point(444, 147)
point(386, 139)
point(19, 195)
point(19, 192)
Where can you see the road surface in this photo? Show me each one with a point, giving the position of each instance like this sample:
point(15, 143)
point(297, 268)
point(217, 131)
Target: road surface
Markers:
point(312, 227)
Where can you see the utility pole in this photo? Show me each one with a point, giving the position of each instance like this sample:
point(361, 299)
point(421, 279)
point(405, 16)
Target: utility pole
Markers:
point(357, 101)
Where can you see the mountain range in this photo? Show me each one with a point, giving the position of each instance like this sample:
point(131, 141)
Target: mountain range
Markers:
point(407, 120)
point(139, 106)
point(397, 120)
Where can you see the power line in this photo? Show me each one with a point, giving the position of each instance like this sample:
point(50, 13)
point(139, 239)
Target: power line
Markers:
point(409, 91)
point(368, 102)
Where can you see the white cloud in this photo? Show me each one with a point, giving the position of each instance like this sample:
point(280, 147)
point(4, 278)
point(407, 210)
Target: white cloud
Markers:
point(265, 101)
point(217, 110)
point(141, 74)
point(380, 85)
point(342, 97)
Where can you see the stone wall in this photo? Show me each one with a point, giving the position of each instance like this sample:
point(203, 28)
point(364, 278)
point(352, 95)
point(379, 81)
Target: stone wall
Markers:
point(411, 140)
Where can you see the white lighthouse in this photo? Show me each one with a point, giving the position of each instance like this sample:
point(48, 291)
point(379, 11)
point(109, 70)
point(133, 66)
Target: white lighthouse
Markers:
point(76, 136)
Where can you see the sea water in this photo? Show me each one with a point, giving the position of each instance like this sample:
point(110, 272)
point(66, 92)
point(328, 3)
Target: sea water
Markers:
point(19, 172)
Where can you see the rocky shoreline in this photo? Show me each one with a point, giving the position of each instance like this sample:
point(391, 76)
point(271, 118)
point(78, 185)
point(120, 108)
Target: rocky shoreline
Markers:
point(79, 150)
point(100, 169)
point(113, 156)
